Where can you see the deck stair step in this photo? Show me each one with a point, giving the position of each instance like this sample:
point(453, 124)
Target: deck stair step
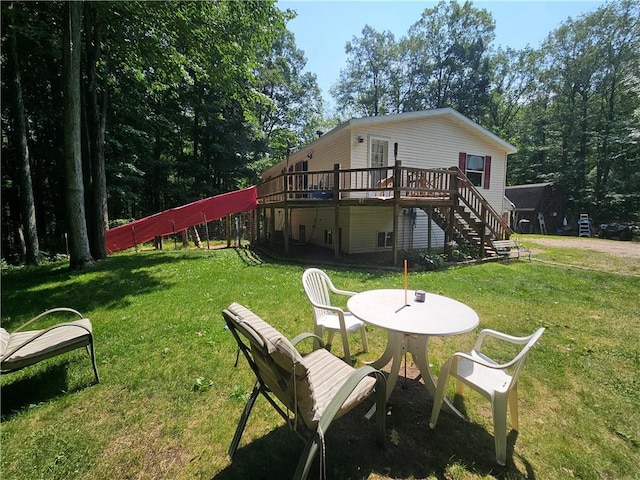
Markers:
point(466, 228)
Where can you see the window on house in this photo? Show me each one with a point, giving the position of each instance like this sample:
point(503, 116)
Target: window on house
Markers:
point(385, 239)
point(477, 168)
point(328, 237)
point(302, 233)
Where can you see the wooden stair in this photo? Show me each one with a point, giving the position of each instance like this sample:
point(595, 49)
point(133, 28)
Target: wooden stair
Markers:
point(471, 221)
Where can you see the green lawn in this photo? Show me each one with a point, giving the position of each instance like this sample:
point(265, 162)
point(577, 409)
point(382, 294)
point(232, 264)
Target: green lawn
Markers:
point(170, 397)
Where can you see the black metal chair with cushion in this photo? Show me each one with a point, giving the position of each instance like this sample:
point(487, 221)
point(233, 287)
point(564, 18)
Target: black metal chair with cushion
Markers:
point(316, 388)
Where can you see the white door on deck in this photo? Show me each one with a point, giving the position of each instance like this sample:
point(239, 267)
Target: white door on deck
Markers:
point(379, 158)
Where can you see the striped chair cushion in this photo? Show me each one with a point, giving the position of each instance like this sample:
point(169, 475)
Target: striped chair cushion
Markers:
point(296, 393)
point(4, 341)
point(59, 339)
point(318, 375)
point(327, 374)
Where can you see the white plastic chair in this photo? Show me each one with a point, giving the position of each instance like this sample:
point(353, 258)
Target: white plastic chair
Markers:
point(491, 379)
point(317, 285)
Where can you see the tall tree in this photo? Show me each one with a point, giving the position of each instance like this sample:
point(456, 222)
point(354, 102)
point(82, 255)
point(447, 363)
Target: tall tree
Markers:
point(364, 86)
point(79, 253)
point(96, 122)
point(27, 206)
point(618, 29)
point(291, 106)
point(449, 45)
point(514, 84)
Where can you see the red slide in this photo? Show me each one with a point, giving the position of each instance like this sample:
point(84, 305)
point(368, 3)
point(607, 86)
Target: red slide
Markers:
point(180, 218)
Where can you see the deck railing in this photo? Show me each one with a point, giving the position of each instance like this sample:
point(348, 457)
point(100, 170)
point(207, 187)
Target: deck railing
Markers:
point(395, 182)
point(357, 183)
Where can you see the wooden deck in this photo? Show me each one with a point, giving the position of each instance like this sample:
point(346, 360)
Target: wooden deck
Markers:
point(446, 195)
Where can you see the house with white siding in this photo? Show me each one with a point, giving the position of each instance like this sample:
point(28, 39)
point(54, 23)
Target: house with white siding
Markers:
point(409, 181)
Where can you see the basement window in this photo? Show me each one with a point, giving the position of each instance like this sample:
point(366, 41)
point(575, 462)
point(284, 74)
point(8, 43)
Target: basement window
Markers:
point(385, 239)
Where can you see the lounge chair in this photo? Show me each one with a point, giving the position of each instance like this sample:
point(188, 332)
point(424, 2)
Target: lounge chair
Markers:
point(316, 388)
point(21, 349)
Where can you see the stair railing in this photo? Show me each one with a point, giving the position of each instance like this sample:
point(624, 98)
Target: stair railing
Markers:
point(491, 220)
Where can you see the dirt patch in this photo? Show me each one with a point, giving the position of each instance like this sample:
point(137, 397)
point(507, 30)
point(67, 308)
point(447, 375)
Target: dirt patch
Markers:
point(612, 247)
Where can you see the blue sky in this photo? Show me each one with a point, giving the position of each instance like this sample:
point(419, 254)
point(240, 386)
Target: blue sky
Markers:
point(322, 28)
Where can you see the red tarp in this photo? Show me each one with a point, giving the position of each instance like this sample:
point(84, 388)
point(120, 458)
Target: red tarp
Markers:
point(180, 218)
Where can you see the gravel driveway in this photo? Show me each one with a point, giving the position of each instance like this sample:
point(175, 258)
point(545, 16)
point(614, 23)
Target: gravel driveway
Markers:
point(612, 247)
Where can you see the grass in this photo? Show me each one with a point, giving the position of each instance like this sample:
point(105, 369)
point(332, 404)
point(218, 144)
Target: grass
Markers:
point(169, 397)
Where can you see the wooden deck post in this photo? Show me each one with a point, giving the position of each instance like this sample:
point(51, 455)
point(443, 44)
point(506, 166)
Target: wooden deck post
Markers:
point(397, 171)
point(453, 189)
point(429, 231)
point(252, 227)
point(206, 230)
point(483, 229)
point(227, 228)
point(285, 232)
point(336, 210)
point(272, 225)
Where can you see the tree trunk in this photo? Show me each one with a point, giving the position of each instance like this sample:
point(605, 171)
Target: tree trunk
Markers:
point(27, 206)
point(96, 119)
point(79, 253)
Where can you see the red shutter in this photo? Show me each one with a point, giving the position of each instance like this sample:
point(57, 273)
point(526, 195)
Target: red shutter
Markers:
point(462, 162)
point(487, 172)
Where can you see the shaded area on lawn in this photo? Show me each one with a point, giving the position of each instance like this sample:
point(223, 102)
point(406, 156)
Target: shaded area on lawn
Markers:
point(121, 276)
point(44, 385)
point(351, 450)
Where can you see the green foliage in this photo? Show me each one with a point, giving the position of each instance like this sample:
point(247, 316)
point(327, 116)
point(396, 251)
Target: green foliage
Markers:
point(432, 261)
point(365, 86)
point(424, 259)
point(198, 97)
point(462, 253)
point(571, 106)
point(443, 61)
point(436, 260)
point(201, 384)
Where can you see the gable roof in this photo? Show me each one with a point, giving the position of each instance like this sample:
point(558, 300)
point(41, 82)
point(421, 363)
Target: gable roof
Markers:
point(447, 112)
point(527, 197)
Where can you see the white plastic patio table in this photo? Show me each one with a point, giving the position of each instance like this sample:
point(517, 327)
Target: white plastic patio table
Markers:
point(410, 326)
